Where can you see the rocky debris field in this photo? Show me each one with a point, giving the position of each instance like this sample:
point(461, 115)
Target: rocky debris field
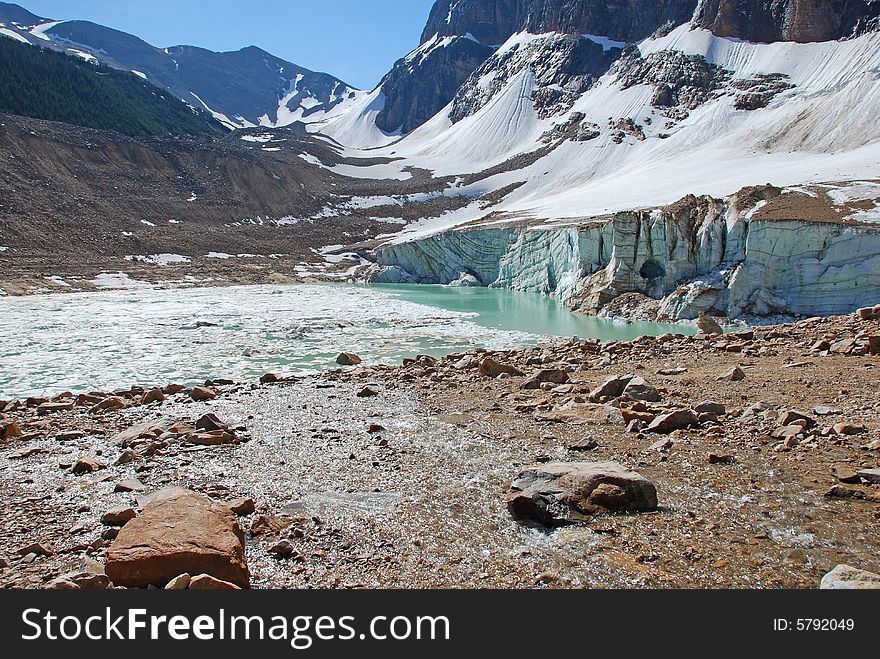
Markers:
point(748, 459)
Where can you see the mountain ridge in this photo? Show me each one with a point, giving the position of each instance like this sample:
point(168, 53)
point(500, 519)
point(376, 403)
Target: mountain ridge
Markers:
point(242, 88)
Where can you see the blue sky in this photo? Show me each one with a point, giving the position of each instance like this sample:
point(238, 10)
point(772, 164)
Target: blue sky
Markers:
point(355, 40)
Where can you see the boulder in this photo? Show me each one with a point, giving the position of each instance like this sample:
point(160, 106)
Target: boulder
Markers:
point(733, 374)
point(639, 389)
point(560, 493)
point(82, 581)
point(611, 388)
point(825, 410)
point(846, 474)
point(871, 476)
point(172, 389)
point(108, 405)
point(180, 582)
point(153, 396)
point(465, 363)
point(849, 429)
point(118, 517)
point(869, 313)
point(69, 435)
point(667, 423)
point(843, 347)
point(787, 432)
point(201, 394)
point(207, 582)
point(707, 325)
point(348, 359)
point(846, 577)
point(492, 369)
point(270, 525)
point(130, 485)
point(552, 376)
point(44, 409)
point(212, 438)
point(36, 548)
point(210, 423)
point(367, 392)
point(793, 417)
point(243, 507)
point(178, 532)
point(9, 430)
point(268, 378)
point(87, 465)
point(283, 549)
point(710, 407)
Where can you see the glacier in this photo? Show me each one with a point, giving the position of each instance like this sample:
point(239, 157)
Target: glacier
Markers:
point(698, 255)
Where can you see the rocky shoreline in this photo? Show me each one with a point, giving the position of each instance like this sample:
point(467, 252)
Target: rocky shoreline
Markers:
point(718, 461)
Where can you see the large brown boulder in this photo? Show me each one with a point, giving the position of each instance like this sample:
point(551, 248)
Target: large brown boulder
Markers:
point(560, 493)
point(178, 532)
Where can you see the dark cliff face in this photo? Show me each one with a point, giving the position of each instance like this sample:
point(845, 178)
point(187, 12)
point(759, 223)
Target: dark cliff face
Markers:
point(416, 91)
point(494, 21)
point(788, 20)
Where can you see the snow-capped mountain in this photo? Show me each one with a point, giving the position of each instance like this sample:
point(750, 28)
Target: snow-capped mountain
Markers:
point(587, 108)
point(245, 88)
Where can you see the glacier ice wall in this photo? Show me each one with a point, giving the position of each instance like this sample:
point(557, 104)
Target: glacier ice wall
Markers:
point(700, 254)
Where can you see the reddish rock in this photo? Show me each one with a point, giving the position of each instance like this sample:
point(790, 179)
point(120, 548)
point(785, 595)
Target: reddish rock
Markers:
point(179, 532)
point(202, 394)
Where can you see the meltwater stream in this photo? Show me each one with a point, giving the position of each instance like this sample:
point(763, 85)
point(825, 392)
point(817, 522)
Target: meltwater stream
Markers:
point(110, 340)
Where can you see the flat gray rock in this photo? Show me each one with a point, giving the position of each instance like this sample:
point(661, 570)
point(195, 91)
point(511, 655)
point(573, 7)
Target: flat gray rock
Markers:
point(846, 577)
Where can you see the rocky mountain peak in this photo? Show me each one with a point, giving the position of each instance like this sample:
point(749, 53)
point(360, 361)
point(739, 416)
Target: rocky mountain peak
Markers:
point(495, 21)
point(461, 37)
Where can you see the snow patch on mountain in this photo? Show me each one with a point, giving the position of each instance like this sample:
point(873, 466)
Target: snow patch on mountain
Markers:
point(6, 32)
